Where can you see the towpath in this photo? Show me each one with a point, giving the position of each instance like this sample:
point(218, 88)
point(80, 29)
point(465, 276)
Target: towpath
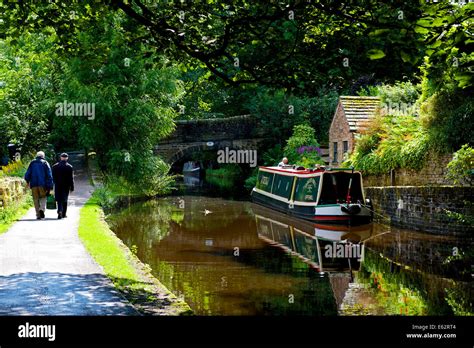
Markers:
point(46, 270)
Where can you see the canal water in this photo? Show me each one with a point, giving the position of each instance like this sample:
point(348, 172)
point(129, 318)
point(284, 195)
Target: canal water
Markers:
point(232, 257)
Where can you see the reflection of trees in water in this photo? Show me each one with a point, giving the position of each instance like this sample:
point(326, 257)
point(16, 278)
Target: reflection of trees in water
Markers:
point(314, 297)
point(214, 281)
point(406, 291)
point(257, 282)
point(144, 223)
point(207, 214)
point(151, 218)
point(192, 253)
point(427, 253)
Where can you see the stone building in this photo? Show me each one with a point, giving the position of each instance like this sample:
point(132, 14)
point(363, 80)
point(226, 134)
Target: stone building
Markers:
point(351, 116)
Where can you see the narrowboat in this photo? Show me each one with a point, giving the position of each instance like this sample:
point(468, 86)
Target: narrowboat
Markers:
point(191, 168)
point(332, 195)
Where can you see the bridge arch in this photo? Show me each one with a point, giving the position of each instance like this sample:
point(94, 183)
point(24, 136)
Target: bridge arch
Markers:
point(186, 151)
point(193, 136)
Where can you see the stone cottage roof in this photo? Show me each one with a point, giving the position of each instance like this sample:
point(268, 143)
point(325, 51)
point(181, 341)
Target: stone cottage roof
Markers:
point(358, 110)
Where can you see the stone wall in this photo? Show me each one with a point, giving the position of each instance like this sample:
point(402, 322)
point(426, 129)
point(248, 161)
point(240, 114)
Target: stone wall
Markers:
point(433, 173)
point(11, 190)
point(424, 207)
point(173, 152)
point(236, 127)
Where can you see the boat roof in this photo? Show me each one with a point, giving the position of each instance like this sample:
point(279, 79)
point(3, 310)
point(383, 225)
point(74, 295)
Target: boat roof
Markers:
point(304, 171)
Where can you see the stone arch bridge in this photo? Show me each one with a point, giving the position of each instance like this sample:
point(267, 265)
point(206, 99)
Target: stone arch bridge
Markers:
point(238, 132)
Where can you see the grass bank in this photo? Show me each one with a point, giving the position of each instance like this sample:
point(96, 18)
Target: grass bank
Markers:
point(130, 276)
point(13, 212)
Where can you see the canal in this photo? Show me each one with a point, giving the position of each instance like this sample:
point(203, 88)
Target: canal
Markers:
point(232, 257)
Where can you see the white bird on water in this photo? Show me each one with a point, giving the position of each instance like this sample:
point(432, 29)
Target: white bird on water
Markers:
point(206, 212)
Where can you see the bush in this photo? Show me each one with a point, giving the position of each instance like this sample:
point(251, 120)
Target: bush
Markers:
point(251, 181)
point(272, 156)
point(143, 174)
point(461, 168)
point(16, 168)
point(302, 147)
point(226, 171)
point(390, 143)
point(116, 186)
point(399, 93)
point(448, 116)
point(224, 177)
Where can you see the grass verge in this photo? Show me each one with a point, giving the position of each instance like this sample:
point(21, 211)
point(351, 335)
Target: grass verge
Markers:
point(130, 276)
point(11, 213)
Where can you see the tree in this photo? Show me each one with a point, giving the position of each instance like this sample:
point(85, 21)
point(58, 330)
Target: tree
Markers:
point(134, 97)
point(28, 76)
point(297, 45)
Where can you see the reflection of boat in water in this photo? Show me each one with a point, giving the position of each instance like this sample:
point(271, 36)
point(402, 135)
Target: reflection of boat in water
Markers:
point(320, 195)
point(322, 247)
point(192, 180)
point(191, 168)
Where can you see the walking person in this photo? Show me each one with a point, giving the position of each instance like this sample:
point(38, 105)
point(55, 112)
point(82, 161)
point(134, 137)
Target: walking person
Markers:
point(63, 176)
point(40, 180)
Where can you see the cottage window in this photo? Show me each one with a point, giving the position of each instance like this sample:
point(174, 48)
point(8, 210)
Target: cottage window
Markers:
point(334, 158)
point(345, 145)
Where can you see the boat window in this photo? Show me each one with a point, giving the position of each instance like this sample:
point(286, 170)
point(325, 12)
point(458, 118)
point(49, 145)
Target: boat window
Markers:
point(307, 189)
point(282, 186)
point(265, 181)
point(306, 246)
point(335, 187)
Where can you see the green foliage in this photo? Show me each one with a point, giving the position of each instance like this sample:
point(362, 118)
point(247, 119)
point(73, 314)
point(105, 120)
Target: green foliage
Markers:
point(115, 186)
point(135, 94)
point(16, 168)
point(273, 49)
point(463, 219)
point(272, 156)
point(461, 167)
point(251, 181)
point(278, 112)
point(398, 93)
point(449, 46)
point(448, 117)
point(302, 147)
point(76, 53)
point(28, 77)
point(134, 103)
point(227, 170)
point(459, 302)
point(225, 176)
point(12, 212)
point(390, 143)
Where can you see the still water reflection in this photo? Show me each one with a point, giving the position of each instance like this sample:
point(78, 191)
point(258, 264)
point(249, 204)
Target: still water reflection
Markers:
point(237, 258)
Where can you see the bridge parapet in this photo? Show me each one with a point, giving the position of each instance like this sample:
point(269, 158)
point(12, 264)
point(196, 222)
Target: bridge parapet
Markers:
point(191, 136)
point(237, 127)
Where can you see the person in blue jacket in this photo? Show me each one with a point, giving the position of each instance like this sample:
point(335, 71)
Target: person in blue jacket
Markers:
point(40, 180)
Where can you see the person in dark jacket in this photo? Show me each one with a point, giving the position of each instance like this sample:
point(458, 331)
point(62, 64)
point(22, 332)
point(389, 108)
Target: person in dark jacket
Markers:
point(63, 176)
point(39, 178)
